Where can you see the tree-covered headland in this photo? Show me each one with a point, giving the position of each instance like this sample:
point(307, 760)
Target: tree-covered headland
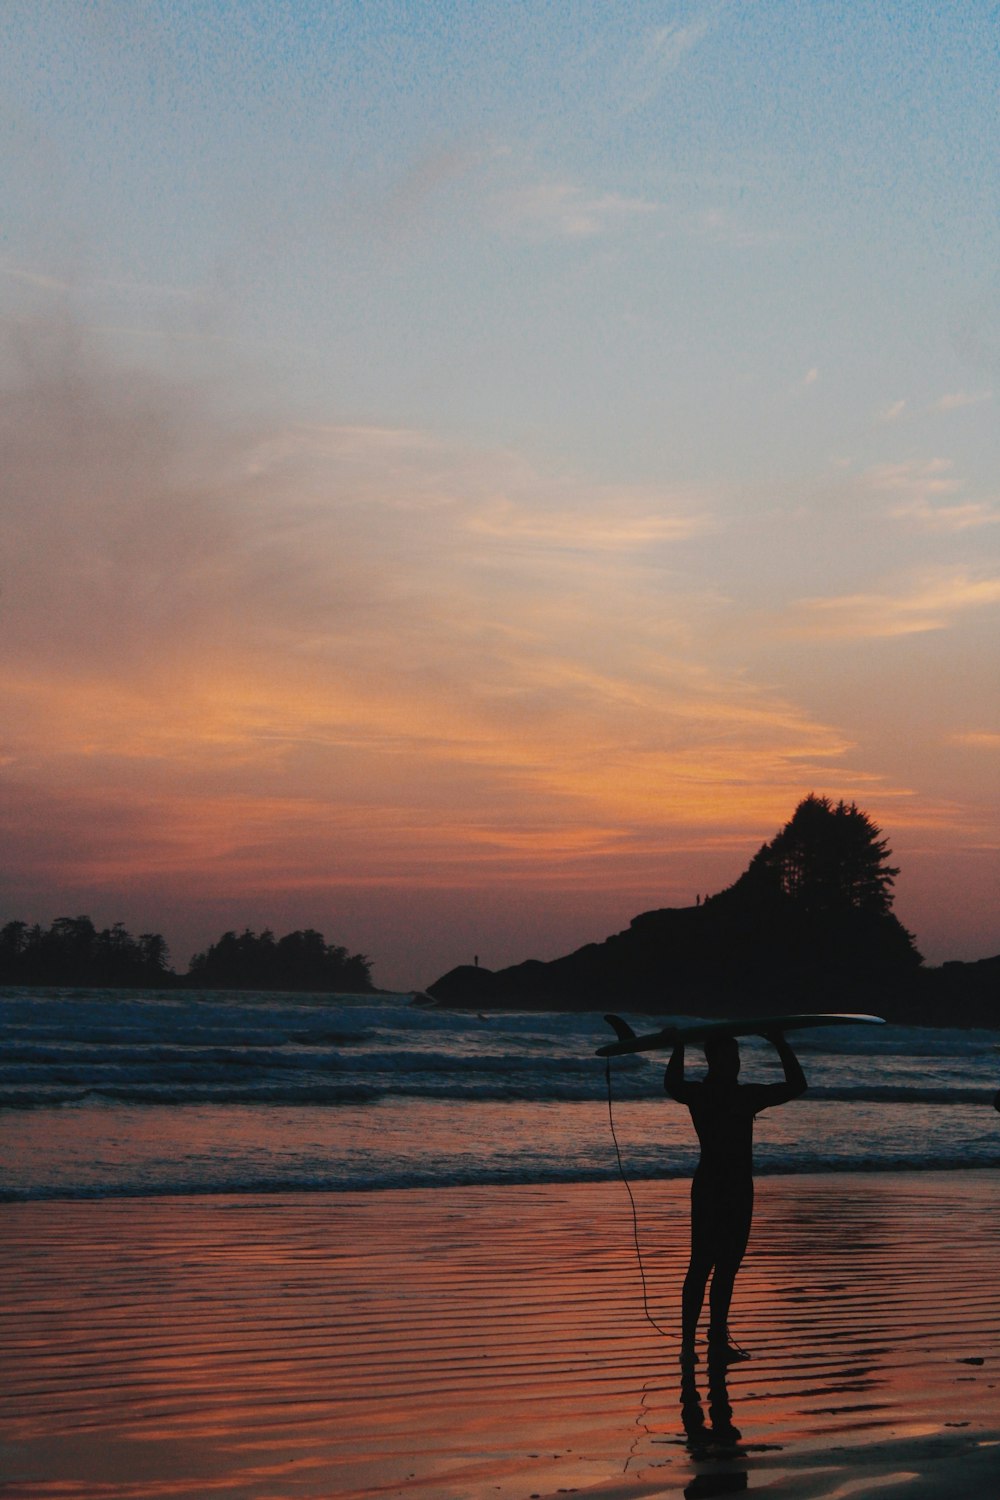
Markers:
point(808, 925)
point(297, 961)
point(73, 953)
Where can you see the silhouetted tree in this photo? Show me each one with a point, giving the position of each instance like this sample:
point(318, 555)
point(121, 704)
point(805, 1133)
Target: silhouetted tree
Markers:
point(298, 961)
point(820, 893)
point(12, 941)
point(155, 953)
point(830, 858)
point(73, 953)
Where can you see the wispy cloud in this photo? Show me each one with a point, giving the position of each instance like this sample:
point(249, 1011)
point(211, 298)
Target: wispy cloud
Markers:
point(666, 46)
point(659, 54)
point(395, 206)
point(344, 655)
point(977, 739)
point(946, 518)
point(954, 401)
point(515, 199)
point(40, 279)
point(561, 209)
point(290, 648)
point(719, 226)
point(921, 490)
point(609, 530)
point(122, 286)
point(957, 399)
point(932, 603)
point(925, 477)
point(806, 382)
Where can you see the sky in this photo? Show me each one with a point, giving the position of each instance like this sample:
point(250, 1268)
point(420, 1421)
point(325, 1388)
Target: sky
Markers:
point(470, 469)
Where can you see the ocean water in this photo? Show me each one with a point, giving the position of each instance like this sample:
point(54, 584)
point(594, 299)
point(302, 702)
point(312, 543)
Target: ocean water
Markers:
point(116, 1093)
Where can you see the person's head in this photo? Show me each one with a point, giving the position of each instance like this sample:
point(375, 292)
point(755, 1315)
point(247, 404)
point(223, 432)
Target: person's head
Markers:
point(722, 1054)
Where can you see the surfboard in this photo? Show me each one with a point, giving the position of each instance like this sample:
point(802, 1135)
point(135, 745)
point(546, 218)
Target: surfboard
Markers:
point(700, 1031)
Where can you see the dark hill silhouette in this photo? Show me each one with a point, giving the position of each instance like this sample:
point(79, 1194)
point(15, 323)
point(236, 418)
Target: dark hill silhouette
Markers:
point(808, 925)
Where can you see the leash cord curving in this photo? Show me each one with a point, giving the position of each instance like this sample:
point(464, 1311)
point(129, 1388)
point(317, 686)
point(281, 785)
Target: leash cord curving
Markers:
point(635, 1215)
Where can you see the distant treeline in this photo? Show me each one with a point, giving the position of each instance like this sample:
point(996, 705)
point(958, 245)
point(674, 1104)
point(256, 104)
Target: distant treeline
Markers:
point(298, 961)
point(73, 953)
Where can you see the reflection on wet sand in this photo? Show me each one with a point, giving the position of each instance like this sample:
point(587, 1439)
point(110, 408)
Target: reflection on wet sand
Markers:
point(717, 1442)
point(472, 1343)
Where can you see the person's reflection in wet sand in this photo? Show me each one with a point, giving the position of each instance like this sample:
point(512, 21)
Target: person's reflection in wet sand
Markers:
point(723, 1112)
point(716, 1441)
point(697, 1431)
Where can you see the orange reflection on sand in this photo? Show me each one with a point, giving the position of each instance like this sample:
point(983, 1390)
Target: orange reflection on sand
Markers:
point(447, 1343)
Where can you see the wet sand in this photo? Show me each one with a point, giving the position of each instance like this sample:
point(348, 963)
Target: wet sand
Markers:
point(474, 1342)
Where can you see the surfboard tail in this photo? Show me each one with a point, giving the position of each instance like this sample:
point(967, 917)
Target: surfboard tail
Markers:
point(621, 1029)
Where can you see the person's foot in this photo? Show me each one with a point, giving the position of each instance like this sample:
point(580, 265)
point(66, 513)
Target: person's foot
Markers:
point(724, 1433)
point(725, 1351)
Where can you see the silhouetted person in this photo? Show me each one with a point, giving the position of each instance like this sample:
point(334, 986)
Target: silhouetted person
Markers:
point(723, 1111)
point(996, 1100)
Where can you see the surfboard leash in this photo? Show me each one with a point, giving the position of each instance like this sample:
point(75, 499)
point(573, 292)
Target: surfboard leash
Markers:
point(635, 1214)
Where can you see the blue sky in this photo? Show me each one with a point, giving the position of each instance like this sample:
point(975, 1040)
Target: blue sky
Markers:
point(493, 460)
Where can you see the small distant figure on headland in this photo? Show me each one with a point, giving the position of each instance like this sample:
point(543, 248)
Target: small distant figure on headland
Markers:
point(723, 1110)
point(475, 960)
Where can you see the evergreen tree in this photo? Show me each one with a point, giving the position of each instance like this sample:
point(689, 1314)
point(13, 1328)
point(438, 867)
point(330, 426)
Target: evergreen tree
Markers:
point(820, 893)
point(72, 952)
point(830, 858)
point(298, 961)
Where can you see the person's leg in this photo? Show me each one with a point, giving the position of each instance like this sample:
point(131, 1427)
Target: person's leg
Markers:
point(721, 1296)
point(729, 1258)
point(699, 1266)
point(692, 1299)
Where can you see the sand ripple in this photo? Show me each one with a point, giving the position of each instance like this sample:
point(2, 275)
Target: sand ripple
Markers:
point(491, 1342)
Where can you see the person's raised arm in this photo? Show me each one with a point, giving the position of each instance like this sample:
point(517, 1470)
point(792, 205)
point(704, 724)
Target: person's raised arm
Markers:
point(795, 1080)
point(673, 1079)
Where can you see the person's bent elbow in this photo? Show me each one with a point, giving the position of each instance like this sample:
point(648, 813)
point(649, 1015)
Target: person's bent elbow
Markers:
point(796, 1082)
point(673, 1077)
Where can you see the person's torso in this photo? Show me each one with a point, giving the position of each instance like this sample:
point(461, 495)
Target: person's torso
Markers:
point(723, 1118)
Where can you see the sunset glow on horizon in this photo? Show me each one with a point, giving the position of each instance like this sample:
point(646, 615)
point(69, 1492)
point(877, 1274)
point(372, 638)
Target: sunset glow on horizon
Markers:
point(470, 472)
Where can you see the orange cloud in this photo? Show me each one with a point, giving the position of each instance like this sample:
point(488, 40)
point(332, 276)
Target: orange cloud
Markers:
point(932, 603)
point(922, 490)
point(345, 656)
point(977, 739)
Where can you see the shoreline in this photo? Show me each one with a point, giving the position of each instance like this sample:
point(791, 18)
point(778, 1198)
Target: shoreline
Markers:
point(464, 1342)
point(411, 1142)
point(599, 1180)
